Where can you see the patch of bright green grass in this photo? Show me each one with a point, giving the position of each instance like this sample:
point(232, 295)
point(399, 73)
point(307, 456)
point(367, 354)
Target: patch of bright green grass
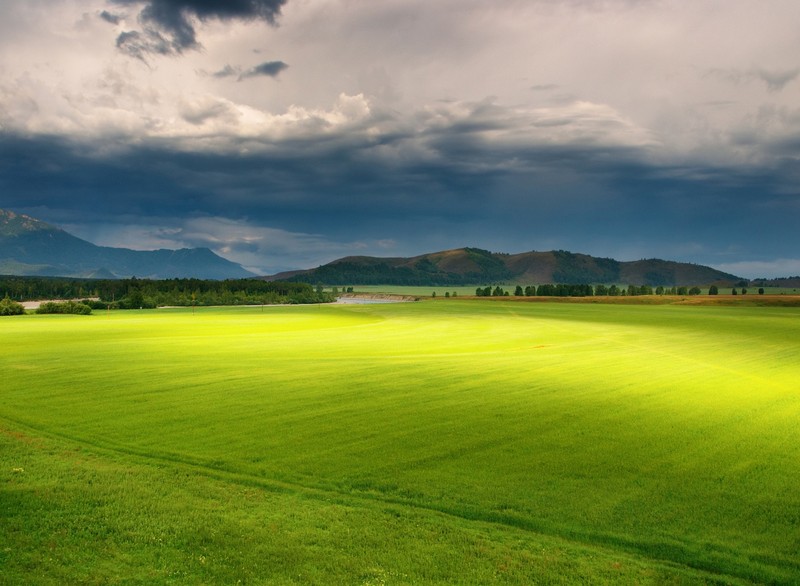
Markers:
point(75, 516)
point(482, 441)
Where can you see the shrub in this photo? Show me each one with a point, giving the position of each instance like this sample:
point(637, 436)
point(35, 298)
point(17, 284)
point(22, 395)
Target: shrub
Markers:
point(10, 307)
point(64, 307)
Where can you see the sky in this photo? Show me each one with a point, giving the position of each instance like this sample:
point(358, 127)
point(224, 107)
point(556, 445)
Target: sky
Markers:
point(284, 134)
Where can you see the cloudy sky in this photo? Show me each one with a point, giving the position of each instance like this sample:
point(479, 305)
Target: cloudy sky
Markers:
point(286, 133)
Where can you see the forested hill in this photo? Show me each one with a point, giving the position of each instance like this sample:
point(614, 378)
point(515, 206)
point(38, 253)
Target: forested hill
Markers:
point(29, 246)
point(473, 266)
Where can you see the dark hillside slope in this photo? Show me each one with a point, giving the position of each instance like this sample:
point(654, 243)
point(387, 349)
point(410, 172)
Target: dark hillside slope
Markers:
point(662, 272)
point(473, 266)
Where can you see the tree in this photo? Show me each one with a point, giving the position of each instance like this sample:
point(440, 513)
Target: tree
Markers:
point(694, 291)
point(761, 290)
point(659, 290)
point(733, 291)
point(134, 299)
point(518, 291)
point(713, 290)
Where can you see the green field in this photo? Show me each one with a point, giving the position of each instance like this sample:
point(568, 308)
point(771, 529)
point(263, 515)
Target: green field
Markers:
point(457, 441)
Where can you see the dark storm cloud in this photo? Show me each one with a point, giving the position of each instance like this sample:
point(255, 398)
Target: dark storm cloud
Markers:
point(168, 28)
point(474, 174)
point(268, 69)
point(467, 191)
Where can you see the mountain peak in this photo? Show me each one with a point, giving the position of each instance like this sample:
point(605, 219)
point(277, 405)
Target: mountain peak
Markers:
point(13, 224)
point(29, 246)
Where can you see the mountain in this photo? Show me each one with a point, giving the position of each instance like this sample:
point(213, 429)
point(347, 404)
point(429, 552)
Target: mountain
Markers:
point(473, 266)
point(31, 247)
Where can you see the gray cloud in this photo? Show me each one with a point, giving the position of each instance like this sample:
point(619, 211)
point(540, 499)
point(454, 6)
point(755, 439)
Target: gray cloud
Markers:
point(138, 45)
point(227, 71)
point(775, 80)
point(200, 111)
point(109, 17)
point(167, 27)
point(269, 69)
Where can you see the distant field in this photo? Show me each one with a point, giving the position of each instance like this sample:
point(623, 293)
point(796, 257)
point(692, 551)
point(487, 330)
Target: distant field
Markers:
point(421, 291)
point(440, 291)
point(451, 441)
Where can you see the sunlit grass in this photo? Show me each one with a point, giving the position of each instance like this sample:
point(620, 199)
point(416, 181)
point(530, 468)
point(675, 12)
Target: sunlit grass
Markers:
point(656, 441)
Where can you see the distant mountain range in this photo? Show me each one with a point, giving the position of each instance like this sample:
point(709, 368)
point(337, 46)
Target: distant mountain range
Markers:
point(473, 266)
point(31, 247)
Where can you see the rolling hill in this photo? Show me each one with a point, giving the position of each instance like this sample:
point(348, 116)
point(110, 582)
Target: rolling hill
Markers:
point(31, 247)
point(473, 266)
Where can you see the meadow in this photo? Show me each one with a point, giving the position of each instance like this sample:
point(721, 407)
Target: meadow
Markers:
point(445, 441)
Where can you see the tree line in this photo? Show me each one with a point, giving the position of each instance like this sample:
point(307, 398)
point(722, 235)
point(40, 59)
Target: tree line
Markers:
point(136, 293)
point(584, 290)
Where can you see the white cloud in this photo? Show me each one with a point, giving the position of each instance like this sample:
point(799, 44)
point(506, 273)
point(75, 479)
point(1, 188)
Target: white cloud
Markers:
point(267, 250)
point(632, 73)
point(133, 235)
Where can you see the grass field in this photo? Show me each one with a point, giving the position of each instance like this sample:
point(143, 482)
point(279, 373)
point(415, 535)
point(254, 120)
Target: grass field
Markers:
point(453, 441)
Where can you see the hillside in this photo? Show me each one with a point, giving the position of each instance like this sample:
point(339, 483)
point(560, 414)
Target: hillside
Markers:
point(31, 247)
point(473, 266)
